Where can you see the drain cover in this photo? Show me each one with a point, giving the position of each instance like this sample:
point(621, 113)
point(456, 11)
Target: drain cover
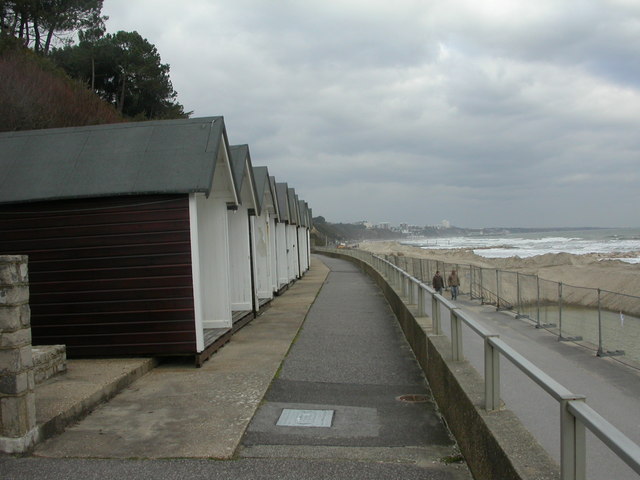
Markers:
point(305, 418)
point(414, 398)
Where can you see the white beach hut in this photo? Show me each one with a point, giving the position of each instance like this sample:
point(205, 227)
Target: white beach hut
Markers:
point(244, 302)
point(264, 236)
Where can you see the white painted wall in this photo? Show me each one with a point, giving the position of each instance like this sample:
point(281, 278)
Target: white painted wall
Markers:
point(292, 254)
point(210, 264)
point(240, 260)
point(273, 254)
point(302, 249)
point(282, 256)
point(262, 255)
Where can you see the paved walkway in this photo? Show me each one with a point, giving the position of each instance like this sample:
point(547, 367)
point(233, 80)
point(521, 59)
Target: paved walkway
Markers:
point(349, 358)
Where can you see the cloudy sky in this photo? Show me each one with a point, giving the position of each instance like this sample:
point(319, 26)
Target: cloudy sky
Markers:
point(483, 113)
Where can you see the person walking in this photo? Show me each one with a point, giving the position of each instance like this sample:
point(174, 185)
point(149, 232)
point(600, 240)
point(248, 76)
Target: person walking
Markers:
point(454, 284)
point(438, 282)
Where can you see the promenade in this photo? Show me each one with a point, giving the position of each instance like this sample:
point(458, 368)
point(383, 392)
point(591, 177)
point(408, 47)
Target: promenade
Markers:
point(330, 346)
point(610, 387)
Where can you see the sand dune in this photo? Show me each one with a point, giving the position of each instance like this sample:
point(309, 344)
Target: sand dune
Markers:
point(589, 270)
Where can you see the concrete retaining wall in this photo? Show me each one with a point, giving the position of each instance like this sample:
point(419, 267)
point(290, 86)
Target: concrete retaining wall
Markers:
point(494, 444)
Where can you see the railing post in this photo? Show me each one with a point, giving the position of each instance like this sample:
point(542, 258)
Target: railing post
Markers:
point(518, 299)
point(491, 375)
point(435, 315)
point(497, 289)
point(456, 336)
point(572, 443)
point(560, 310)
point(600, 348)
point(411, 292)
point(422, 307)
point(538, 301)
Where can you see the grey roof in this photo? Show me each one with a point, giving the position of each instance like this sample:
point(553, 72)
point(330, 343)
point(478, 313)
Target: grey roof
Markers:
point(170, 156)
point(241, 167)
point(302, 207)
point(263, 184)
point(272, 183)
point(309, 215)
point(293, 206)
point(283, 202)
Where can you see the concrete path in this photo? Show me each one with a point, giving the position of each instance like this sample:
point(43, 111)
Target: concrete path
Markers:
point(351, 359)
point(174, 420)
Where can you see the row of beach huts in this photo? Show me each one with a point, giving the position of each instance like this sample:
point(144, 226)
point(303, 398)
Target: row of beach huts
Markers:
point(147, 238)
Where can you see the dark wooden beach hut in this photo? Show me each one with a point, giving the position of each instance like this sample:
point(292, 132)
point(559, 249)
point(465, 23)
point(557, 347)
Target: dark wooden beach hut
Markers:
point(125, 226)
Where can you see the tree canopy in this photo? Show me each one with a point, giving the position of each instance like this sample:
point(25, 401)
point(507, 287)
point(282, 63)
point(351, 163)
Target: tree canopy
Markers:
point(126, 71)
point(39, 23)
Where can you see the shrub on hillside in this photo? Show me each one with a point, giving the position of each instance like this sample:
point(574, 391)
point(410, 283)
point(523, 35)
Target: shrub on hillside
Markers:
point(34, 94)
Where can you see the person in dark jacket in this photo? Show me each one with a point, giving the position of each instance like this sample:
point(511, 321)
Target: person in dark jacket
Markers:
point(454, 284)
point(437, 283)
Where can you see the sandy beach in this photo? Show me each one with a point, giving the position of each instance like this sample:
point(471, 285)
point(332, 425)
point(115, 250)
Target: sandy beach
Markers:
point(577, 270)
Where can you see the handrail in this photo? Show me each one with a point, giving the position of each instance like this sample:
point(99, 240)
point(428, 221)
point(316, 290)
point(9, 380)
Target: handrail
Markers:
point(575, 414)
point(617, 441)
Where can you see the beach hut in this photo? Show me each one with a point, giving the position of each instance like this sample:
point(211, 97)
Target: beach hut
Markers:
point(277, 256)
point(264, 228)
point(292, 235)
point(126, 230)
point(303, 236)
point(282, 246)
point(244, 302)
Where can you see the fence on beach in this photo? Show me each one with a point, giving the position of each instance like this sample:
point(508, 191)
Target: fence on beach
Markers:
point(608, 322)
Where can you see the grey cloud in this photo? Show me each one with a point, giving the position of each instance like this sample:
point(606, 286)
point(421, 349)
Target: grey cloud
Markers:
point(418, 111)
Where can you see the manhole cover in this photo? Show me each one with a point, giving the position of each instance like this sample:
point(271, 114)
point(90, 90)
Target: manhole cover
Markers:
point(413, 398)
point(305, 418)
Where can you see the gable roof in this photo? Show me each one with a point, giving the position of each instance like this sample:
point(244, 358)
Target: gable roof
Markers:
point(241, 168)
point(293, 206)
point(263, 185)
point(302, 207)
point(138, 158)
point(274, 190)
point(283, 202)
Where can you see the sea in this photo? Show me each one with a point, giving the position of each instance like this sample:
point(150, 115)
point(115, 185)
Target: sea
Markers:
point(612, 243)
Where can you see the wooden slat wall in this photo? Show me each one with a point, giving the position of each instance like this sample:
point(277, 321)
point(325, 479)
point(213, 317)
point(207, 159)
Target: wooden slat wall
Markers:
point(108, 276)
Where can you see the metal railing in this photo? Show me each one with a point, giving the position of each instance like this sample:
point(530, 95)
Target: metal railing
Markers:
point(575, 415)
point(605, 321)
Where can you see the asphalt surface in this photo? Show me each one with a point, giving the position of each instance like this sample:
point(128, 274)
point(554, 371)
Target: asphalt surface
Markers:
point(219, 421)
point(610, 387)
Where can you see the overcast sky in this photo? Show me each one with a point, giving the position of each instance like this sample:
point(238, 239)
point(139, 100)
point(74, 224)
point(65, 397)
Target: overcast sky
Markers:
point(483, 113)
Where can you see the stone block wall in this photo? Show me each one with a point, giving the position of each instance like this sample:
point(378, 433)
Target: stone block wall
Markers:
point(48, 361)
point(18, 432)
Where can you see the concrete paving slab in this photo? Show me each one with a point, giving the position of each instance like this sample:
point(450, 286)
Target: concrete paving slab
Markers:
point(64, 399)
point(179, 411)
